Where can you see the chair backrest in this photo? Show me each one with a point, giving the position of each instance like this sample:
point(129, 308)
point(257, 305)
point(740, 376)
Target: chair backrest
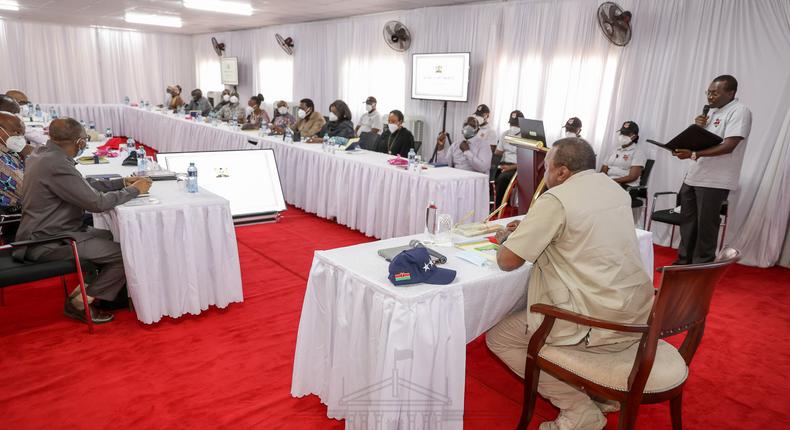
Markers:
point(646, 172)
point(684, 297)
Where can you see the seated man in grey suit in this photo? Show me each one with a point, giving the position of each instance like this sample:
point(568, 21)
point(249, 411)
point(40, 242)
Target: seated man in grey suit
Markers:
point(55, 197)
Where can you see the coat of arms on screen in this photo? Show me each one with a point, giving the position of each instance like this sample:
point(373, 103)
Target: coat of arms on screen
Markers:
point(439, 69)
point(221, 172)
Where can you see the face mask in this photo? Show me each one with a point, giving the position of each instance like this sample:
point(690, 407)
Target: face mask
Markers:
point(301, 114)
point(80, 151)
point(196, 97)
point(570, 134)
point(225, 98)
point(332, 116)
point(248, 110)
point(15, 143)
point(234, 99)
point(623, 140)
point(369, 108)
point(480, 119)
point(393, 127)
point(283, 110)
point(515, 130)
point(469, 132)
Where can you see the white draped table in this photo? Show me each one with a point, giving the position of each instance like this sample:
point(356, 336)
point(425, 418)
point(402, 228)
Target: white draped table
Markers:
point(180, 255)
point(360, 190)
point(381, 356)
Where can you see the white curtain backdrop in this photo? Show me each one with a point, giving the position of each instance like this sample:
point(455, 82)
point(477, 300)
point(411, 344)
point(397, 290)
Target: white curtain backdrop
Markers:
point(65, 64)
point(549, 59)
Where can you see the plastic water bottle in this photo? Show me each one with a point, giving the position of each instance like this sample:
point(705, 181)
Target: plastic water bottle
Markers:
point(142, 104)
point(130, 145)
point(108, 132)
point(326, 142)
point(92, 125)
point(142, 162)
point(38, 112)
point(82, 123)
point(126, 100)
point(412, 156)
point(289, 135)
point(192, 178)
point(53, 114)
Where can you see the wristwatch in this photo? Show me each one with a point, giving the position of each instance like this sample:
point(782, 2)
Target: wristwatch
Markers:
point(694, 155)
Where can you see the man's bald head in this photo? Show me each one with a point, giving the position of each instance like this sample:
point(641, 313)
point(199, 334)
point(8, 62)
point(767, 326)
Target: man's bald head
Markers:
point(66, 130)
point(11, 123)
point(18, 96)
point(7, 104)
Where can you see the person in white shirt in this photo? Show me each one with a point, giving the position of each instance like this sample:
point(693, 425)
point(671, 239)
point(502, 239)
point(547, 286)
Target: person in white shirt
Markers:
point(371, 120)
point(472, 153)
point(714, 172)
point(507, 167)
point(625, 164)
point(486, 133)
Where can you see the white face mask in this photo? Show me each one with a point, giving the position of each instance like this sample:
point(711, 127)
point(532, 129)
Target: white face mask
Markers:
point(301, 114)
point(225, 98)
point(570, 134)
point(369, 108)
point(15, 143)
point(623, 140)
point(393, 127)
point(480, 119)
point(332, 116)
point(247, 110)
point(234, 99)
point(514, 130)
point(469, 132)
point(282, 110)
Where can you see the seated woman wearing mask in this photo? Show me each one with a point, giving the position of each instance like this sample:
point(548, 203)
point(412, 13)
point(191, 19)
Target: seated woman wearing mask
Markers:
point(232, 110)
point(625, 165)
point(472, 153)
point(282, 118)
point(396, 139)
point(174, 100)
point(507, 168)
point(310, 122)
point(257, 115)
point(223, 101)
point(339, 124)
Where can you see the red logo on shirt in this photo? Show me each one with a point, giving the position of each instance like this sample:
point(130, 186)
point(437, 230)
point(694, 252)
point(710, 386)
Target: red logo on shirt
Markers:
point(717, 122)
point(625, 157)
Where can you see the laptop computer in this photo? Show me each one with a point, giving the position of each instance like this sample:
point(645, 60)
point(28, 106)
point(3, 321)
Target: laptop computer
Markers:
point(532, 129)
point(367, 140)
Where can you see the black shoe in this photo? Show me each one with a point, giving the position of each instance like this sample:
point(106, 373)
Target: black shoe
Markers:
point(98, 316)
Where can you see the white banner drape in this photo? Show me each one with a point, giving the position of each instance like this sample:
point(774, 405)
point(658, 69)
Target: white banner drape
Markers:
point(65, 64)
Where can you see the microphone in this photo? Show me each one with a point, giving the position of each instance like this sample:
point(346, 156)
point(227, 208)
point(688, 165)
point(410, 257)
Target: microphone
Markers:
point(705, 110)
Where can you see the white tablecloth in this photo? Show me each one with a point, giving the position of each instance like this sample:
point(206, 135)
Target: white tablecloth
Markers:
point(180, 256)
point(360, 190)
point(375, 353)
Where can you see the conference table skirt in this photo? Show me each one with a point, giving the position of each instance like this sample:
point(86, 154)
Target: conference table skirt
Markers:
point(360, 190)
point(381, 356)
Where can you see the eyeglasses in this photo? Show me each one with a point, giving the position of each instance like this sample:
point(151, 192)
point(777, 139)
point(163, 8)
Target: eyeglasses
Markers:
point(711, 93)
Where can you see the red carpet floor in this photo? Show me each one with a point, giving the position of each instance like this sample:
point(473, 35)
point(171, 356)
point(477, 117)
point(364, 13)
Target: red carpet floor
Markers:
point(231, 368)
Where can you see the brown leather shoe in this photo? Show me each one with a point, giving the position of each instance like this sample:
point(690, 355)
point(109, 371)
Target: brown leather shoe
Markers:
point(98, 316)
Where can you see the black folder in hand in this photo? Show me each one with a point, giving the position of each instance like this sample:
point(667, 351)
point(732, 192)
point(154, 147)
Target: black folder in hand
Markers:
point(694, 138)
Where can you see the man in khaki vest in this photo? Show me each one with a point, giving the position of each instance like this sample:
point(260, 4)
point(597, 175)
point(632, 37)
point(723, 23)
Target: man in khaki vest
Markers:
point(580, 237)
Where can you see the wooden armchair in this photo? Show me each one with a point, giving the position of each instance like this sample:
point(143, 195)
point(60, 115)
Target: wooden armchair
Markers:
point(650, 371)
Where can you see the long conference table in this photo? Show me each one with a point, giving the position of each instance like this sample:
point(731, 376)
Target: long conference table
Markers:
point(381, 356)
point(360, 190)
point(179, 249)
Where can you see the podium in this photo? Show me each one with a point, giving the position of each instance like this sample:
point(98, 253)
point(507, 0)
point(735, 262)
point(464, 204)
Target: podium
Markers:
point(530, 156)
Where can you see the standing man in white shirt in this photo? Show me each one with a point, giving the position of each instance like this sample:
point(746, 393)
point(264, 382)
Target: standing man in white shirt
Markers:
point(486, 133)
point(472, 153)
point(371, 120)
point(507, 167)
point(714, 173)
point(626, 163)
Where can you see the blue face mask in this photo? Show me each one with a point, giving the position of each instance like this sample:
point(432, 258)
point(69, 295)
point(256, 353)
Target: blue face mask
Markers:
point(80, 151)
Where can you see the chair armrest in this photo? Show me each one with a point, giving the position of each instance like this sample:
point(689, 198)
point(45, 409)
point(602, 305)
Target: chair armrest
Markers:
point(663, 193)
point(36, 242)
point(563, 314)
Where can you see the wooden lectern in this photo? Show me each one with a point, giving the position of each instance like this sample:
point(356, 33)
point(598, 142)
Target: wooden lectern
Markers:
point(530, 156)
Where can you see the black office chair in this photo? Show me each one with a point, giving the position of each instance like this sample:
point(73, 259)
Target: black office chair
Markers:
point(639, 192)
point(669, 216)
point(15, 272)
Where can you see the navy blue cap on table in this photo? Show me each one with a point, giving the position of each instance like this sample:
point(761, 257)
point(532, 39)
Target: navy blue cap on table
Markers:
point(414, 266)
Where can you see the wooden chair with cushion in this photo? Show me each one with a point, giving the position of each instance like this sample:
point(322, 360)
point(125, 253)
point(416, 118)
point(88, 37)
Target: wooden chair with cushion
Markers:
point(652, 370)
